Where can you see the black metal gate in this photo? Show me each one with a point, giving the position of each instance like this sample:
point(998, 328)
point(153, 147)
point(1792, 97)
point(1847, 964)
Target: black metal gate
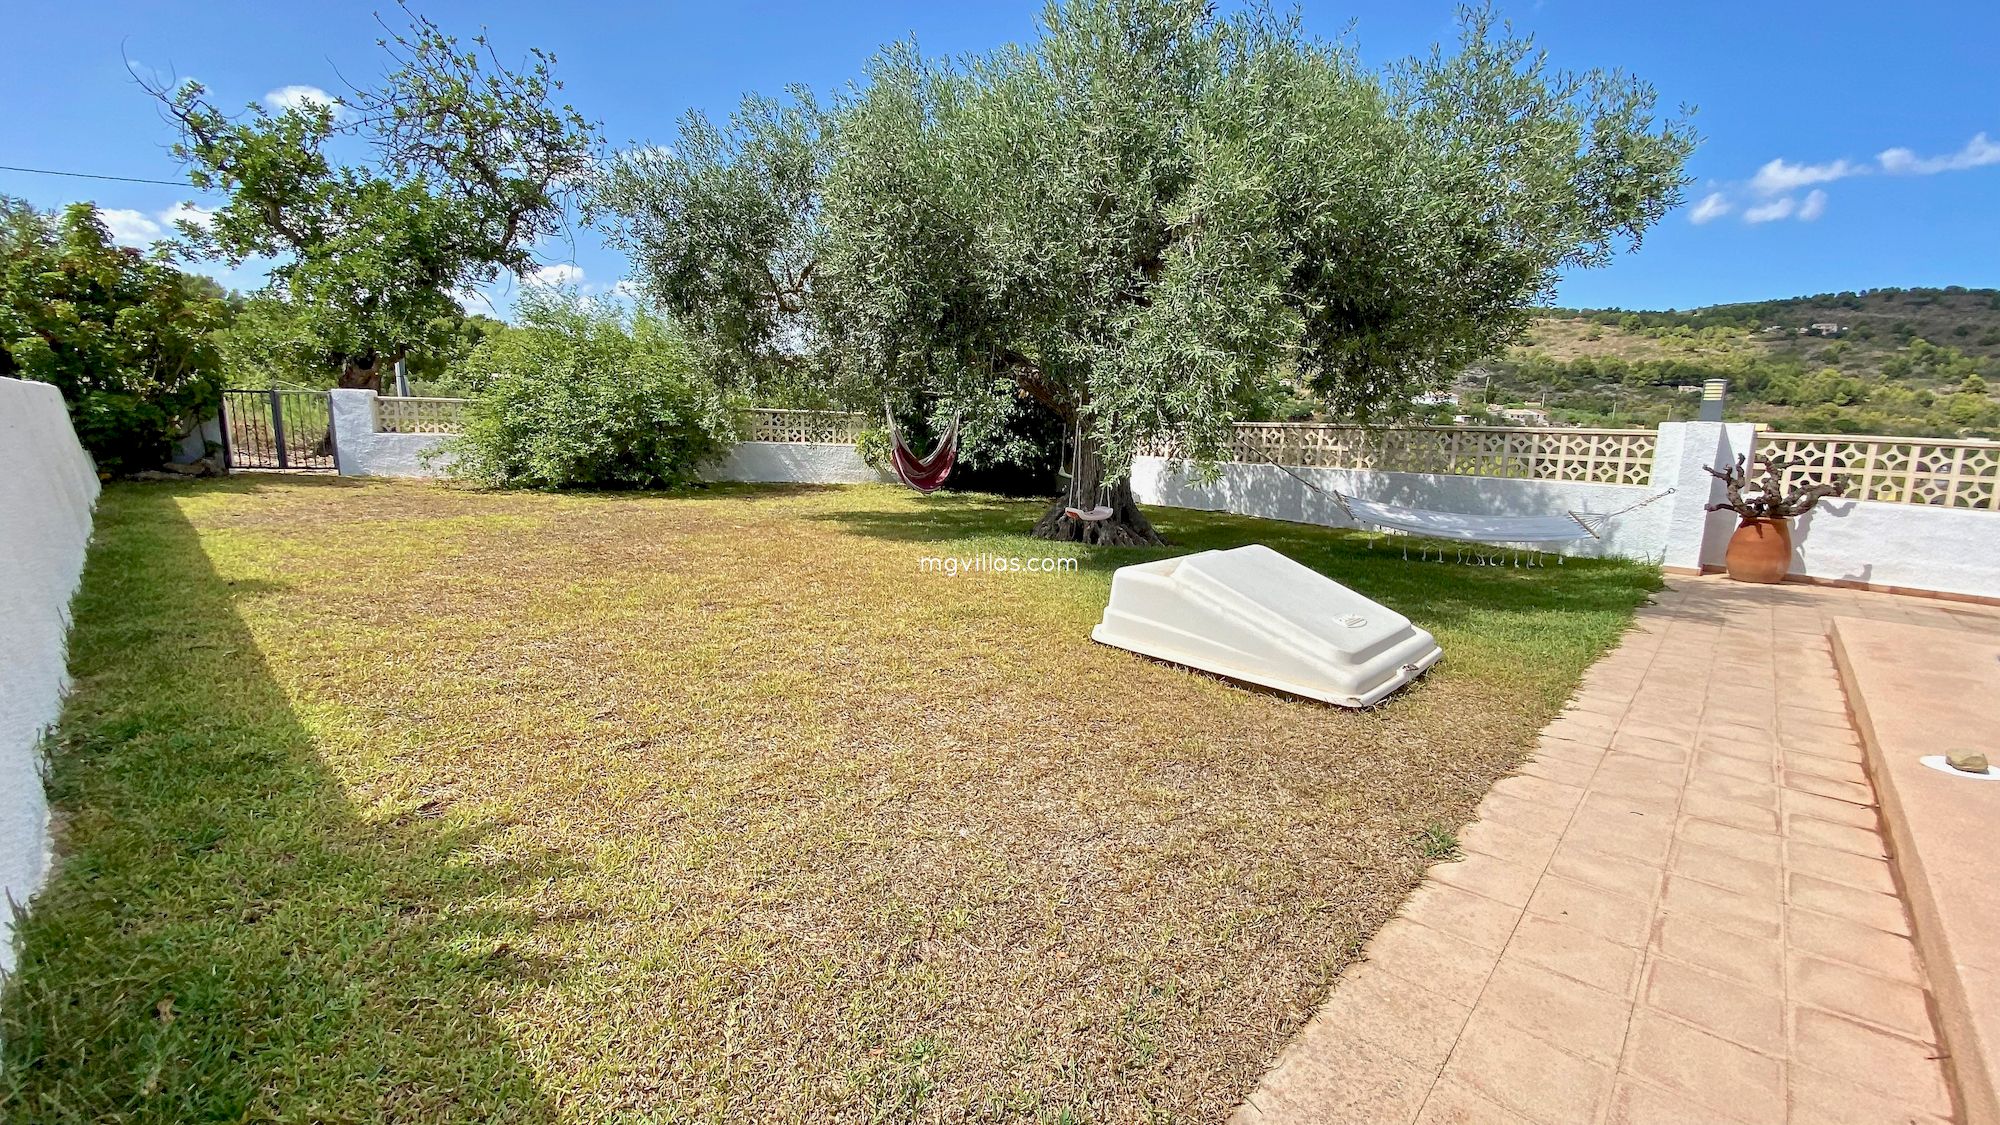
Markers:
point(277, 430)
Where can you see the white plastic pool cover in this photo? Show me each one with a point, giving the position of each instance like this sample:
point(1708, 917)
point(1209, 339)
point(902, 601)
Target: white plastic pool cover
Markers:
point(1252, 614)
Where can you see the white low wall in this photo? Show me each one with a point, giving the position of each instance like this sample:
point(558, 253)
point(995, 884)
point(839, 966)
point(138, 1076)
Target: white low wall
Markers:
point(358, 451)
point(48, 487)
point(1905, 546)
point(1273, 493)
point(794, 462)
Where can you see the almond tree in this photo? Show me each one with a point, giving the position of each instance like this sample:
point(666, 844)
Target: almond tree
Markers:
point(385, 203)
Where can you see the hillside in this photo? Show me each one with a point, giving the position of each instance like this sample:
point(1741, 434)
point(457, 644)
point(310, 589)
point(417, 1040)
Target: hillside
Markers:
point(1921, 362)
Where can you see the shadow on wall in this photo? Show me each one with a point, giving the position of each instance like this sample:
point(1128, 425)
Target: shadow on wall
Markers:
point(1802, 533)
point(226, 936)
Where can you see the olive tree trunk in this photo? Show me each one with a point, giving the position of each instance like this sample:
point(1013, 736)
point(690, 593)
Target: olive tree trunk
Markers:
point(1127, 526)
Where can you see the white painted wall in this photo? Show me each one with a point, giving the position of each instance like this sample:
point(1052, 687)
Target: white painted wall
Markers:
point(794, 462)
point(1271, 492)
point(48, 487)
point(1913, 546)
point(358, 451)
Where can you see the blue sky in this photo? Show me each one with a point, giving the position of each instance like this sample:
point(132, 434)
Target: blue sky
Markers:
point(1825, 89)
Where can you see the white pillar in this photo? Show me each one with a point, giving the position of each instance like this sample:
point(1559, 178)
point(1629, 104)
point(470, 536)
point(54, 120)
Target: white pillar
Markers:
point(353, 428)
point(1693, 535)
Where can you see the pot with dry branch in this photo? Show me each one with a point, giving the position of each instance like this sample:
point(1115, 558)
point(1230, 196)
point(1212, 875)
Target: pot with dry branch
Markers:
point(1761, 549)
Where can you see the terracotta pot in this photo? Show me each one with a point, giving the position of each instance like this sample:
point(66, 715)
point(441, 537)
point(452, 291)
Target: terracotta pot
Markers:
point(1760, 551)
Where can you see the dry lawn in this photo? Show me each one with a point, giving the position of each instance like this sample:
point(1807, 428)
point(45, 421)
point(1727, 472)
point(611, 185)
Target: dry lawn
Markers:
point(395, 802)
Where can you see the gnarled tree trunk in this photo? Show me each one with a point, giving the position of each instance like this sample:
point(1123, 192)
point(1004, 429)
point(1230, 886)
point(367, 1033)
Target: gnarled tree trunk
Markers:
point(361, 373)
point(1126, 527)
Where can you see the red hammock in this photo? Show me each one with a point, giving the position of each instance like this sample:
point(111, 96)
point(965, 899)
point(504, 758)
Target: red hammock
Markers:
point(926, 473)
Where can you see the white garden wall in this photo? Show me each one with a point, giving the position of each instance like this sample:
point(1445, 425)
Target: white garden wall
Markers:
point(1896, 546)
point(48, 487)
point(359, 451)
point(1274, 493)
point(796, 462)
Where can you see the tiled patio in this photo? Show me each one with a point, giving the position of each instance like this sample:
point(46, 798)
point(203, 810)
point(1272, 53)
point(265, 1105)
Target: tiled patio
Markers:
point(1679, 911)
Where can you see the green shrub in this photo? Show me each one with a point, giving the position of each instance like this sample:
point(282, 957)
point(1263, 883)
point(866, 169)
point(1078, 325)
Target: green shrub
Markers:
point(581, 394)
point(125, 337)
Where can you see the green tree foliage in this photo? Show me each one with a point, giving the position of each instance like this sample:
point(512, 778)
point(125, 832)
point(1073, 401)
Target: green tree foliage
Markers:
point(272, 342)
point(459, 163)
point(1145, 219)
point(583, 394)
point(127, 339)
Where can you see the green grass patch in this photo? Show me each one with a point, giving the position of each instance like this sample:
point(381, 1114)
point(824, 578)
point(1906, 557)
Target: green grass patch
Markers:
point(399, 802)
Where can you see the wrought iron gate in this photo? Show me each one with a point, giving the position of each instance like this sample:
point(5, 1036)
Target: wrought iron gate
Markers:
point(277, 430)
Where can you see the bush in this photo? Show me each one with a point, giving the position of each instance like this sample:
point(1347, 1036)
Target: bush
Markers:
point(583, 395)
point(127, 339)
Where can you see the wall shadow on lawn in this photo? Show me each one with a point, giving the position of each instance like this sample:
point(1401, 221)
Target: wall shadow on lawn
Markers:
point(227, 937)
point(1435, 594)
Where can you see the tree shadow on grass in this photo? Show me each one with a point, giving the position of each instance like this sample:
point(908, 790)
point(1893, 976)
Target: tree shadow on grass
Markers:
point(1430, 592)
point(227, 937)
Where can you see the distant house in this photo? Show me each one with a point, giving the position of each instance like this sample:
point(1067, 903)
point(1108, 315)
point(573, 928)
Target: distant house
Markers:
point(1436, 398)
point(1823, 328)
point(1524, 416)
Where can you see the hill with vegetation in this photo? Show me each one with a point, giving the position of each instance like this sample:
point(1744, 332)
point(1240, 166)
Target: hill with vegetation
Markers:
point(1917, 362)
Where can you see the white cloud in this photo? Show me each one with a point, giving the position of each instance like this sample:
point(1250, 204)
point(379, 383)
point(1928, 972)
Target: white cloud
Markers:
point(1780, 176)
point(194, 214)
point(1780, 208)
point(298, 97)
point(1713, 206)
point(559, 276)
point(1813, 207)
point(628, 289)
point(1978, 152)
point(129, 227)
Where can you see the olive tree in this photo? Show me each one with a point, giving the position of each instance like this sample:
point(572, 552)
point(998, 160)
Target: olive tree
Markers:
point(384, 204)
point(1151, 214)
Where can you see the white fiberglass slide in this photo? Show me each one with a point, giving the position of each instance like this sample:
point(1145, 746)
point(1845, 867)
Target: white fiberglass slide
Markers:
point(1252, 614)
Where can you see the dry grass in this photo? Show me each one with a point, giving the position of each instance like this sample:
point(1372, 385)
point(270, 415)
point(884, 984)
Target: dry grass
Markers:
point(397, 802)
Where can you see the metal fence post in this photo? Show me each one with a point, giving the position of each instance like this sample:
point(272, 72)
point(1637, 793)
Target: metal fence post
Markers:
point(278, 426)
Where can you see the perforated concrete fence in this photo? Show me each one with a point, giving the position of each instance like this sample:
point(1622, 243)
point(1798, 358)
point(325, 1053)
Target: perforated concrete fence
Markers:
point(1949, 474)
point(1593, 456)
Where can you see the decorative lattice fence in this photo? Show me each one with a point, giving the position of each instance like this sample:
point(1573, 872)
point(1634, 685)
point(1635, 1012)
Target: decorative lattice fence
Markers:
point(1950, 474)
point(418, 415)
point(1591, 456)
point(818, 427)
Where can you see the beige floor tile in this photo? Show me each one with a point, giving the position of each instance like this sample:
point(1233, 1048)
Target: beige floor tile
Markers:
point(1883, 912)
point(1576, 954)
point(1345, 1080)
point(1842, 988)
point(1483, 921)
point(1837, 939)
point(1712, 1072)
point(1499, 879)
point(1839, 866)
point(1526, 1075)
point(1759, 962)
point(1448, 966)
point(1901, 1070)
point(1612, 873)
point(1730, 871)
point(1567, 1013)
point(1505, 841)
point(1864, 842)
point(1822, 1099)
point(1763, 847)
point(1412, 1023)
point(1731, 1009)
point(1451, 1103)
point(1614, 917)
point(1727, 910)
